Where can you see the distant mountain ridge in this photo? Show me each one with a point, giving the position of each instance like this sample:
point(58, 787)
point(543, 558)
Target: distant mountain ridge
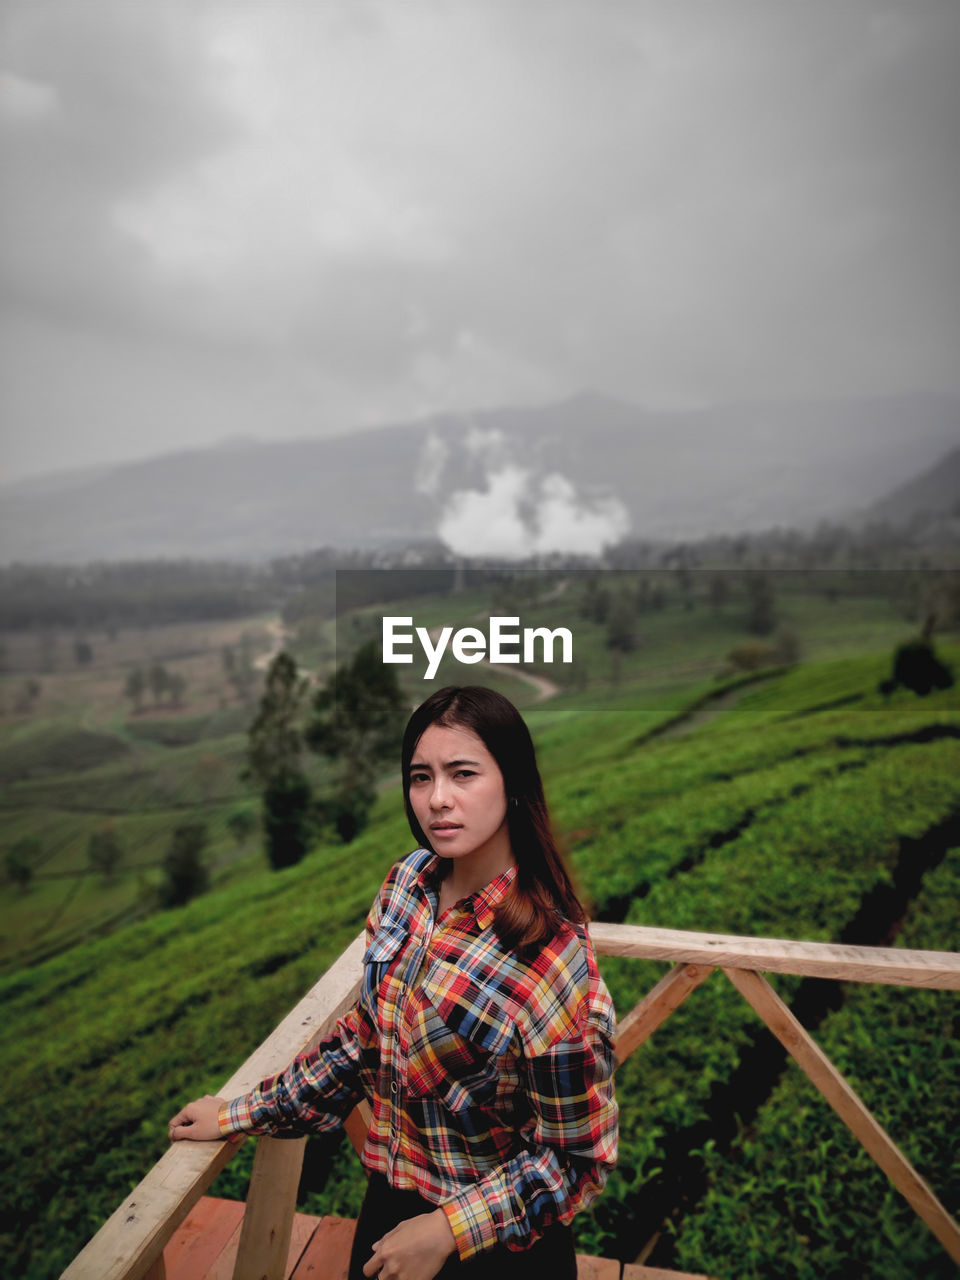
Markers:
point(676, 474)
point(936, 491)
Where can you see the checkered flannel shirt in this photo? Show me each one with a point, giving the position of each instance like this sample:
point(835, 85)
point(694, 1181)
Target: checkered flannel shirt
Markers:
point(490, 1077)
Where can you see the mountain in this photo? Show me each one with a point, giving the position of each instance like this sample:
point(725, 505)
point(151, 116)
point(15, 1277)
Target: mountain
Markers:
point(663, 474)
point(934, 493)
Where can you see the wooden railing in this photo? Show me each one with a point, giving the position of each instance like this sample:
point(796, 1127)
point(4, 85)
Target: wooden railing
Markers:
point(130, 1244)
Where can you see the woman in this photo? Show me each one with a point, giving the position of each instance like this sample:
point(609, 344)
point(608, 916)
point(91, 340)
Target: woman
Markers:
point(483, 1033)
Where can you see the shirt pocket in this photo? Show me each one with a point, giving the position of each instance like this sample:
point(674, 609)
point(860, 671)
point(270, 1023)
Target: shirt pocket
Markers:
point(458, 1033)
point(385, 945)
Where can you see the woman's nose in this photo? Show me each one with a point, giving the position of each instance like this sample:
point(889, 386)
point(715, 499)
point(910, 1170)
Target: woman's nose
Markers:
point(439, 798)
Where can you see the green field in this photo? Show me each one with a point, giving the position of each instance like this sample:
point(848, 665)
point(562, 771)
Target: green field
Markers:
point(789, 802)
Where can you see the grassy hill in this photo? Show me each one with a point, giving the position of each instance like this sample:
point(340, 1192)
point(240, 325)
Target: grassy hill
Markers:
point(794, 803)
point(799, 804)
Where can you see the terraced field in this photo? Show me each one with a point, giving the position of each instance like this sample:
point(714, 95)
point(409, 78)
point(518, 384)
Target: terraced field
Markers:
point(807, 807)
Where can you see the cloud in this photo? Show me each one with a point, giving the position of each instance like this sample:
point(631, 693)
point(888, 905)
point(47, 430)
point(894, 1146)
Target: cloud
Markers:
point(518, 516)
point(23, 99)
point(370, 210)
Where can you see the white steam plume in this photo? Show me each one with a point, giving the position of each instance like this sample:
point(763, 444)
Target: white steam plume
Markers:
point(516, 517)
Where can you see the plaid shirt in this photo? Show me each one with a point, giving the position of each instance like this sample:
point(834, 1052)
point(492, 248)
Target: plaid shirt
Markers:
point(490, 1077)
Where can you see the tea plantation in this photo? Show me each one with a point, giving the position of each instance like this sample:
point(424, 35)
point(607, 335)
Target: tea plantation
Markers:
point(810, 809)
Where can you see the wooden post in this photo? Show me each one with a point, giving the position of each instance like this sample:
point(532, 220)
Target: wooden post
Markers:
point(271, 1204)
point(848, 1105)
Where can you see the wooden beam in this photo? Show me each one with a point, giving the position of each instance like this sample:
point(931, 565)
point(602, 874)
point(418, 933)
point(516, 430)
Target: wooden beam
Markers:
point(656, 1006)
point(848, 1105)
point(892, 965)
point(590, 1268)
point(271, 1204)
point(132, 1239)
point(635, 1271)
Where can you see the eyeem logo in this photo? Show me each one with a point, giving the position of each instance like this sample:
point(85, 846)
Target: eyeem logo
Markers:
point(470, 645)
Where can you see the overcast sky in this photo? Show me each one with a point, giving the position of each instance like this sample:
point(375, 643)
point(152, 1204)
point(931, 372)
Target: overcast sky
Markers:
point(291, 217)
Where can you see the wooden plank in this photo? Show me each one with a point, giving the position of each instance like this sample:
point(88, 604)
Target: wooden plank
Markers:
point(656, 1006)
point(327, 1257)
point(633, 1271)
point(895, 965)
point(134, 1236)
point(597, 1268)
point(158, 1271)
point(304, 1225)
point(848, 1106)
point(271, 1205)
point(202, 1237)
point(357, 1123)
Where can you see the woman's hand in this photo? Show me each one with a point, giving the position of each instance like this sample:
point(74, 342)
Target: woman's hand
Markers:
point(198, 1120)
point(415, 1250)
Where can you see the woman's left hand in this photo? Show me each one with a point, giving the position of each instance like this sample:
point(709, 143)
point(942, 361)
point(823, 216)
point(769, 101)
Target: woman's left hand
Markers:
point(414, 1250)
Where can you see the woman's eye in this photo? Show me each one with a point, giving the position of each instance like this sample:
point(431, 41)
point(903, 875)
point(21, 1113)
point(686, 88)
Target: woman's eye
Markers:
point(465, 773)
point(418, 777)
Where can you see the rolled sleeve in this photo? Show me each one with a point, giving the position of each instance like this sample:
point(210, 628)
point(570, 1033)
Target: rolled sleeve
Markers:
point(314, 1094)
point(571, 1146)
point(320, 1087)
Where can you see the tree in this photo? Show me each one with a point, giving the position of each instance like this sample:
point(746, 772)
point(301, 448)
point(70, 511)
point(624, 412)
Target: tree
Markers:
point(159, 680)
point(595, 602)
point(104, 851)
point(27, 695)
point(917, 667)
point(20, 860)
point(275, 743)
point(761, 614)
point(185, 874)
point(176, 684)
point(82, 652)
point(275, 761)
point(358, 719)
point(238, 667)
point(287, 819)
point(135, 687)
point(621, 625)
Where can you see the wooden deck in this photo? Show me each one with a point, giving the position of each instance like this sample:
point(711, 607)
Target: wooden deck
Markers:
point(165, 1229)
point(206, 1243)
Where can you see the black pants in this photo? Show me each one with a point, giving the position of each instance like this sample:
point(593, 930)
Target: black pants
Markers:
point(552, 1256)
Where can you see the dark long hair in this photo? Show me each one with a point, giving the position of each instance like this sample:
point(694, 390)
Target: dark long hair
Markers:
point(543, 893)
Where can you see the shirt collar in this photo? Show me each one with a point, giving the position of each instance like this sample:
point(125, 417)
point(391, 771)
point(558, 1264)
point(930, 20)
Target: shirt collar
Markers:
point(484, 902)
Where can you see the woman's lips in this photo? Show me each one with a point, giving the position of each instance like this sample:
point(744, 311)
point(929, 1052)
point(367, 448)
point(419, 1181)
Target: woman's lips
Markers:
point(447, 829)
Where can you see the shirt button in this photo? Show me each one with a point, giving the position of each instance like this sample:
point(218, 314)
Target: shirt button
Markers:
point(394, 1086)
point(403, 988)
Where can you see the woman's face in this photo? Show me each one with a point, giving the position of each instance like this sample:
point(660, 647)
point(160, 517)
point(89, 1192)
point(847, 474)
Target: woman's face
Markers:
point(458, 796)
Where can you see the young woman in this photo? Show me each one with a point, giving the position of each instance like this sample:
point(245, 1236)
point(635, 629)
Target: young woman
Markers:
point(483, 1036)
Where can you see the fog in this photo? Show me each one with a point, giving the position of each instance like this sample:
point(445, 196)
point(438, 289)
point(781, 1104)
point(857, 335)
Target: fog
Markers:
point(289, 220)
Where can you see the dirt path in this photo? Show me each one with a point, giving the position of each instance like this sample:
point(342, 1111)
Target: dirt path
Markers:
point(278, 641)
point(545, 688)
point(278, 638)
